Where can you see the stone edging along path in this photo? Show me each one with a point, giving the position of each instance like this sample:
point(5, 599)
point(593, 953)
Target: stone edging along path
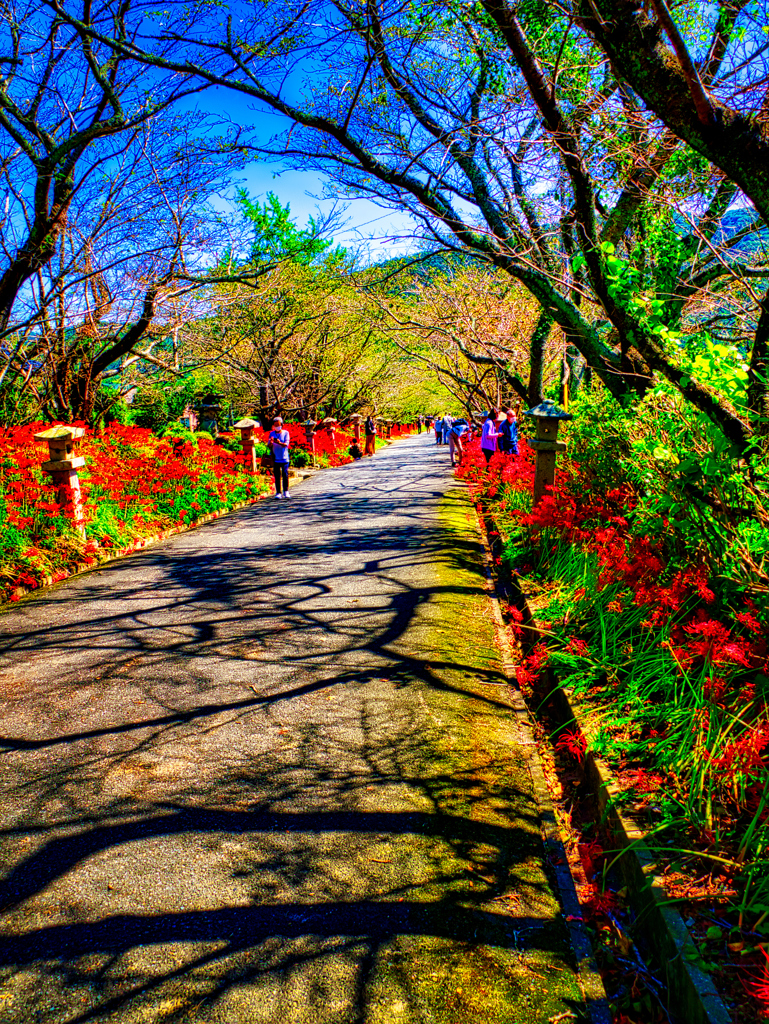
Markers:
point(691, 992)
point(101, 557)
point(587, 968)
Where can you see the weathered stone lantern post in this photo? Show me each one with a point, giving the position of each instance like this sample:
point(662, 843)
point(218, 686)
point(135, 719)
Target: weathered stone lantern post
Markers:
point(329, 424)
point(246, 428)
point(389, 425)
point(209, 415)
point(356, 419)
point(548, 416)
point(62, 467)
point(309, 432)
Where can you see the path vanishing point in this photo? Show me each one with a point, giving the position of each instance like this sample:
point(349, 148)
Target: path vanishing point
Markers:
point(269, 771)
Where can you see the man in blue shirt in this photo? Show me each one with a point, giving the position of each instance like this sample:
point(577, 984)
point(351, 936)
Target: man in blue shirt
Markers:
point(508, 433)
point(278, 440)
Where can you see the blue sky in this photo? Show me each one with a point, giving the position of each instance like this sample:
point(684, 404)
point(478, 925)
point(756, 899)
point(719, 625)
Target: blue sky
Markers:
point(378, 232)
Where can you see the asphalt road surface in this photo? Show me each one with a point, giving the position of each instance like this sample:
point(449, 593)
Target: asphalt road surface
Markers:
point(267, 772)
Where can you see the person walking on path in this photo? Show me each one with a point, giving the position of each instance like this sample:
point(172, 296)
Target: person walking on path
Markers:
point(370, 430)
point(508, 432)
point(420, 420)
point(447, 421)
point(438, 424)
point(489, 435)
point(459, 429)
point(278, 440)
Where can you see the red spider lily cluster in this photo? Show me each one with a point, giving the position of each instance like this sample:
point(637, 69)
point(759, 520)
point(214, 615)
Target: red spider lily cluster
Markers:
point(134, 485)
point(699, 743)
point(676, 601)
point(334, 445)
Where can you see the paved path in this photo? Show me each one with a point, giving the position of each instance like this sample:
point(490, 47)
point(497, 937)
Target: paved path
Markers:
point(265, 772)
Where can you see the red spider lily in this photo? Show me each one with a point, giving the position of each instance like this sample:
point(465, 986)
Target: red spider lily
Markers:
point(758, 988)
point(744, 756)
point(141, 479)
point(578, 647)
point(572, 742)
point(715, 646)
point(538, 658)
point(749, 620)
point(642, 780)
point(596, 901)
point(525, 678)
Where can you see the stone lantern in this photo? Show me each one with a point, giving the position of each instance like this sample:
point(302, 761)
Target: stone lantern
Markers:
point(209, 415)
point(356, 419)
point(62, 467)
point(548, 416)
point(330, 424)
point(389, 425)
point(246, 428)
point(309, 432)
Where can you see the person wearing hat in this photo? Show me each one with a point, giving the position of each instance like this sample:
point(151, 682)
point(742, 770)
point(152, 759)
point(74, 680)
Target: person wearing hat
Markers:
point(508, 432)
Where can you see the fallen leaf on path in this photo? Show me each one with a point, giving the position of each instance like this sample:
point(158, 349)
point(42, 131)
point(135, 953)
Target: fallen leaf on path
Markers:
point(375, 860)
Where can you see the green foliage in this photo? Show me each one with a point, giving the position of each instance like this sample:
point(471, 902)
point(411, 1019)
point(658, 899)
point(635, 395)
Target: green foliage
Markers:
point(691, 492)
point(157, 402)
point(299, 457)
point(180, 432)
point(276, 236)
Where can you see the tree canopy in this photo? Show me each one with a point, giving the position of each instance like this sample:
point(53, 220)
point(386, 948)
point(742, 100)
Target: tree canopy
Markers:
point(540, 137)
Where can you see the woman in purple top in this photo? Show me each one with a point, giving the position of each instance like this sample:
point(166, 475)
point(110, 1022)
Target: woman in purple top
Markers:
point(489, 435)
point(278, 441)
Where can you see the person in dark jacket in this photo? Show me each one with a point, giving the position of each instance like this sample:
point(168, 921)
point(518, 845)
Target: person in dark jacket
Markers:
point(370, 431)
point(508, 432)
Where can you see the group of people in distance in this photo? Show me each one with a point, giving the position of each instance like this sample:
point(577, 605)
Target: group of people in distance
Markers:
point(278, 441)
point(498, 433)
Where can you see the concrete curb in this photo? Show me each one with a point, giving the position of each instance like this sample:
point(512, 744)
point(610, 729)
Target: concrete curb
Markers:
point(690, 991)
point(103, 557)
point(692, 996)
point(590, 979)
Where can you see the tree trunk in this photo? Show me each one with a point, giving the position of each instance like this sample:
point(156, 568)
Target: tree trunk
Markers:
point(537, 357)
point(758, 376)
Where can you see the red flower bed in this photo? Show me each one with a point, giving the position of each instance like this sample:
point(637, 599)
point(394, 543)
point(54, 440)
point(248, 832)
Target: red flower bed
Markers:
point(133, 485)
point(677, 668)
